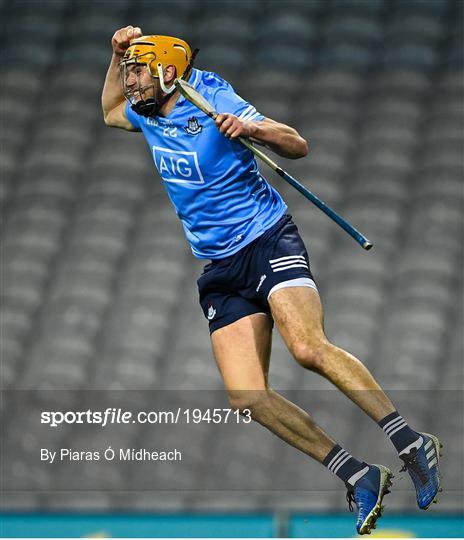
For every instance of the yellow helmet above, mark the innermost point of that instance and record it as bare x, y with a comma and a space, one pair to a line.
160, 50
156, 53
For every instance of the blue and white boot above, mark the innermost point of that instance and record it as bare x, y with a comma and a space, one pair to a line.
421, 460
367, 494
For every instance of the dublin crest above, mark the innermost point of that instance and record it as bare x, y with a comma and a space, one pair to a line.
193, 127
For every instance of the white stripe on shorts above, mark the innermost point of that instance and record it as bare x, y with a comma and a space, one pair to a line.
299, 265
272, 261
285, 263
297, 282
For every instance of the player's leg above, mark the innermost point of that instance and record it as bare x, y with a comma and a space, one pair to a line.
297, 312
242, 351
298, 315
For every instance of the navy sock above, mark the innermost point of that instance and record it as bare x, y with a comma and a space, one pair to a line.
401, 435
344, 465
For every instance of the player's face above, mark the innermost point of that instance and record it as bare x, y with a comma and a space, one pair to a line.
139, 83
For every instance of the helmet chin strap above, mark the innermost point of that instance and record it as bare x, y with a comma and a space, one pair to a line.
146, 107
151, 107
165, 89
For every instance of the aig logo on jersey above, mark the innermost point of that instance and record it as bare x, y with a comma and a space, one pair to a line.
193, 127
177, 166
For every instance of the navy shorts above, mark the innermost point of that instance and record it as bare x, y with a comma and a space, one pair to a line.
240, 285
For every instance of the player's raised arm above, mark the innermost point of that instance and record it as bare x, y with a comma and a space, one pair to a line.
113, 100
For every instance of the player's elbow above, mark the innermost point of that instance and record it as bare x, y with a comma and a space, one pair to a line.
304, 147
109, 119
116, 119
301, 148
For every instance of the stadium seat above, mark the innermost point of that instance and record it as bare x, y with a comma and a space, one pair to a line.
228, 7
412, 55
225, 29
337, 81
220, 59
285, 57
175, 23
345, 53
374, 8
307, 10
355, 30
289, 28
431, 8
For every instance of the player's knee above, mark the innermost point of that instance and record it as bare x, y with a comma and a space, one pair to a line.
247, 400
311, 355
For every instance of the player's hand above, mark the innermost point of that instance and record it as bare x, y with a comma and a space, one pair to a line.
233, 127
122, 38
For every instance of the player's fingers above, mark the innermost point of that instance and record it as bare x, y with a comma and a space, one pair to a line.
133, 32
238, 132
117, 36
124, 32
129, 35
120, 36
220, 119
124, 35
233, 127
226, 125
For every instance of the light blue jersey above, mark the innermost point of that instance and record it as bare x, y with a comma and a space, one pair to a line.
214, 183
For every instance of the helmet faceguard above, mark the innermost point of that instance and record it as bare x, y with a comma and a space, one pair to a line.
136, 94
156, 53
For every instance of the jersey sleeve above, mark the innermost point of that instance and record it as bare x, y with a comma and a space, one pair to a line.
133, 117
225, 100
